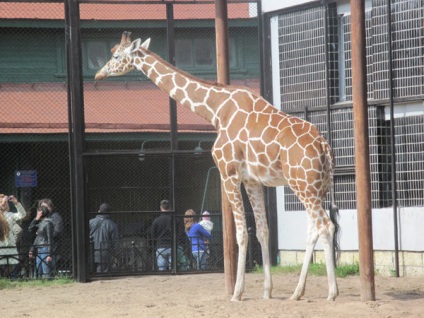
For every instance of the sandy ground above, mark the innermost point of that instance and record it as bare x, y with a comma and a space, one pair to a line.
204, 296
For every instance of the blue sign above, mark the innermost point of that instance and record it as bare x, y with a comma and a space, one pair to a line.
26, 178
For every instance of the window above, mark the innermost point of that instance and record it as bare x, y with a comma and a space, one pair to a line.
96, 55
183, 52
201, 53
204, 52
195, 52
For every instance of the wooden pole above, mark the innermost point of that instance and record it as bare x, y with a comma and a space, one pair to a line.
229, 237
362, 162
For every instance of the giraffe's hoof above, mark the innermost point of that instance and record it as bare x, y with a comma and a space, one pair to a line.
332, 296
295, 296
236, 299
333, 293
267, 295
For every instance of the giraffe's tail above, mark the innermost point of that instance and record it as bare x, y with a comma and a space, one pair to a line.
334, 210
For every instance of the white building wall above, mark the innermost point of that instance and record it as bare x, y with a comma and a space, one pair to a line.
272, 5
292, 226
292, 229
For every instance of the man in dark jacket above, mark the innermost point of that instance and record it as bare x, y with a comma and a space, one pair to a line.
162, 236
104, 233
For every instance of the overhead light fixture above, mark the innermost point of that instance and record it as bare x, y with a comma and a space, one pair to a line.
143, 151
198, 149
141, 154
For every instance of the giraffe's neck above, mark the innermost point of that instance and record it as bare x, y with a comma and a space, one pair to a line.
200, 96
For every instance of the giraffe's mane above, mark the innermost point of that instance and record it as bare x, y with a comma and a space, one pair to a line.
194, 78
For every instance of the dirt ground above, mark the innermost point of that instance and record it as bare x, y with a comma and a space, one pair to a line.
204, 296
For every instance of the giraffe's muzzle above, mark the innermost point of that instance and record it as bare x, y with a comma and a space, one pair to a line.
100, 75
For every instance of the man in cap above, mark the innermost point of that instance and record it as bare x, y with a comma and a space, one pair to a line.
104, 235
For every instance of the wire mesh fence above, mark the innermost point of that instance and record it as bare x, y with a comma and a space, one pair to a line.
132, 160
304, 35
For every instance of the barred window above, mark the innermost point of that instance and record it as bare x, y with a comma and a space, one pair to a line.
407, 47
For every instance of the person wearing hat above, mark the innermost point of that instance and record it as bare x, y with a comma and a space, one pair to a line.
206, 221
104, 235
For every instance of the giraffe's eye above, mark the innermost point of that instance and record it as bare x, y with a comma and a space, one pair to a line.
115, 57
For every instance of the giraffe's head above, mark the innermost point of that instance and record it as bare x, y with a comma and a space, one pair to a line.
122, 60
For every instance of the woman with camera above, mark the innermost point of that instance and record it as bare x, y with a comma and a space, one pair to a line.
8, 251
44, 228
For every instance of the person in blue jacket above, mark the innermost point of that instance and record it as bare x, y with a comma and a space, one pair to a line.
198, 237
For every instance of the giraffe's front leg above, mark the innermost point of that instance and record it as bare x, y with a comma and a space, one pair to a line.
242, 240
232, 190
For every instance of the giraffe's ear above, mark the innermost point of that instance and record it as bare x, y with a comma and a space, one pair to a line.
135, 45
146, 44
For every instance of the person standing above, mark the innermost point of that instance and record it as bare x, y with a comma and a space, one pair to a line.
198, 237
58, 227
43, 226
206, 222
104, 234
8, 251
162, 236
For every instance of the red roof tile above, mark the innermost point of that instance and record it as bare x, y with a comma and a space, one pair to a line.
109, 107
55, 11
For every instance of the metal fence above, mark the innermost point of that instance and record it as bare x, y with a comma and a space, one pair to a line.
138, 147
316, 84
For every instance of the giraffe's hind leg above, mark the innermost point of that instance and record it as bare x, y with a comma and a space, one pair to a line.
320, 226
256, 197
311, 240
326, 233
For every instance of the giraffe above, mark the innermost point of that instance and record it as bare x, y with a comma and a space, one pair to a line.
256, 145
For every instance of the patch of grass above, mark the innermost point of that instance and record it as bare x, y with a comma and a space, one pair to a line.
9, 284
347, 270
314, 269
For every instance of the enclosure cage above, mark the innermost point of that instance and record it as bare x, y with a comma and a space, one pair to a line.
136, 146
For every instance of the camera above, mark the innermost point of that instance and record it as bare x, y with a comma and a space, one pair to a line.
9, 198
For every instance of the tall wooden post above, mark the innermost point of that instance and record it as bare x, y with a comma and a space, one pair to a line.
362, 162
230, 248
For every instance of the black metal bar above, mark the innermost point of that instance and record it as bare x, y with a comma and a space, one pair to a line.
327, 77
261, 48
266, 57
333, 212
149, 152
266, 91
392, 137
70, 139
77, 114
170, 37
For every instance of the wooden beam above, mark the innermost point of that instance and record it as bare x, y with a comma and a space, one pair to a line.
362, 159
230, 248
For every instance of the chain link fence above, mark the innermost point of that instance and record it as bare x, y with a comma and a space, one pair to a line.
129, 161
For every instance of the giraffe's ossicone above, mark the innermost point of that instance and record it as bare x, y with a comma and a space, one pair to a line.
257, 145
